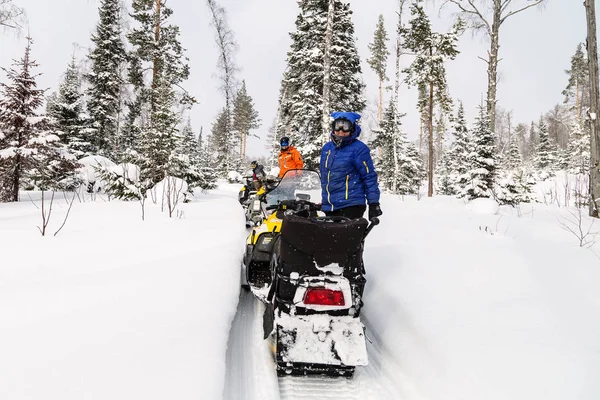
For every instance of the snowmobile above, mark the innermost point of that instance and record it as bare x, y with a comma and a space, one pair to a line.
308, 269
252, 199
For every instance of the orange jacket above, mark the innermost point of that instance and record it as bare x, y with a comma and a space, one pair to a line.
289, 159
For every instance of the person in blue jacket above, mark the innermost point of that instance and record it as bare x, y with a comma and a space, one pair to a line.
348, 177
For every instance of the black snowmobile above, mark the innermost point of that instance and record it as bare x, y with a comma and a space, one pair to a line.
308, 269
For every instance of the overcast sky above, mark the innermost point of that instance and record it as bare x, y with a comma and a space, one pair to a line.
536, 47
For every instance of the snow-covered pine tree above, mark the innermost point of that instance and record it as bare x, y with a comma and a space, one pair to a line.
208, 174
513, 159
483, 160
245, 117
378, 59
221, 143
407, 174
532, 143
29, 149
68, 114
546, 157
301, 98
579, 148
427, 72
106, 84
459, 157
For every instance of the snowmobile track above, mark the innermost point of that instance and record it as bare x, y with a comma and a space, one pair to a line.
251, 371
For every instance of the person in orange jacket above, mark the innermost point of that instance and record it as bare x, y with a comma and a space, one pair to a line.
289, 158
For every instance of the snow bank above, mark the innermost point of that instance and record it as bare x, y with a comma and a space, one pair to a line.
117, 308
483, 206
466, 313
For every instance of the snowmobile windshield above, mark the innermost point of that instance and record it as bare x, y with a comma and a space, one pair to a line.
297, 184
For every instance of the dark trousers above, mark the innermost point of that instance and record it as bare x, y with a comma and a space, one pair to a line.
352, 212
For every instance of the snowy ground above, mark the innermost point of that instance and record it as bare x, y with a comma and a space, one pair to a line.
460, 304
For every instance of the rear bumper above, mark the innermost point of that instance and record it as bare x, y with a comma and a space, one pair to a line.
321, 339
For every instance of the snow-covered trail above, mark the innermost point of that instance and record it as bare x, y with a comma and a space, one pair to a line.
251, 373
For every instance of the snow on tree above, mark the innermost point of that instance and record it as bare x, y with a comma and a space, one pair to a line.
378, 59
106, 83
513, 159
29, 148
458, 159
222, 141
407, 173
578, 152
67, 111
301, 99
427, 72
245, 116
483, 162
546, 157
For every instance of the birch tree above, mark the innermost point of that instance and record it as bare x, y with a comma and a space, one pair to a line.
592, 50
487, 16
327, 70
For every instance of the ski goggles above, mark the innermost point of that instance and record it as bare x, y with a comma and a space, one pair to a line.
342, 125
285, 144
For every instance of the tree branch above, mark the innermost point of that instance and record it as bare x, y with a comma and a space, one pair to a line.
537, 2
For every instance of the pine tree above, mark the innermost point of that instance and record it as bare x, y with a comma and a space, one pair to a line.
105, 78
209, 175
546, 151
301, 98
513, 159
579, 148
221, 143
378, 60
578, 87
427, 72
483, 162
67, 111
245, 116
460, 154
407, 173
156, 48
29, 148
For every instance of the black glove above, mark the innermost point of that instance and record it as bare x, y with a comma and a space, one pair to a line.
374, 210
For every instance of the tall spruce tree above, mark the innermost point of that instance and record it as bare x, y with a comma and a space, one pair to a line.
29, 148
301, 99
67, 111
427, 72
245, 116
378, 59
458, 158
483, 160
546, 157
106, 84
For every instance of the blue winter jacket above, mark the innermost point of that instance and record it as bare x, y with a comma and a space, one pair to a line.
347, 173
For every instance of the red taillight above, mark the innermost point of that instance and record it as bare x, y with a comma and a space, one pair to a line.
324, 297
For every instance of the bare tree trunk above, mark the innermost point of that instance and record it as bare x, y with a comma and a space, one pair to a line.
577, 101
16, 178
592, 49
493, 64
421, 135
156, 62
380, 99
397, 94
327, 71
430, 123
